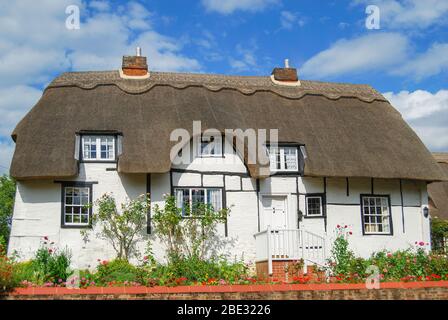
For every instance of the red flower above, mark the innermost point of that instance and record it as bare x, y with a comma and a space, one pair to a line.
345, 227
350, 233
421, 243
46, 238
50, 250
338, 226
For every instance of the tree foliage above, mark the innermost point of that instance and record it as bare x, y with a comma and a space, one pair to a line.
192, 235
121, 228
7, 193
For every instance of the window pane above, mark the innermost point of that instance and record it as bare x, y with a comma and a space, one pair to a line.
314, 205
76, 202
214, 198
376, 214
290, 158
283, 158
210, 146
197, 196
107, 148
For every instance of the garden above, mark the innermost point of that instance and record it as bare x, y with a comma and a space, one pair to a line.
189, 240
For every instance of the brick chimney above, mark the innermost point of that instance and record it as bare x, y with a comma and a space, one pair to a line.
135, 66
285, 74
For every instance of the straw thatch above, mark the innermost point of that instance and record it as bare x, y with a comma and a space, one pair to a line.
348, 130
438, 191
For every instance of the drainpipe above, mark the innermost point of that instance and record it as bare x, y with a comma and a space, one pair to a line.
269, 250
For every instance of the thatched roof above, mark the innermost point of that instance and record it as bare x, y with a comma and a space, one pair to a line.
348, 130
438, 191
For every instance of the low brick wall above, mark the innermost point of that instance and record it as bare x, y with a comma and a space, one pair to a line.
437, 290
285, 270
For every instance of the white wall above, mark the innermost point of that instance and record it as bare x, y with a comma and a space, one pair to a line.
37, 211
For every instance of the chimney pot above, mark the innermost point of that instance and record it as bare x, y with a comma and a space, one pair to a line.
286, 74
135, 65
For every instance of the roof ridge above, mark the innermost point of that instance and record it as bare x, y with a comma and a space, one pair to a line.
247, 85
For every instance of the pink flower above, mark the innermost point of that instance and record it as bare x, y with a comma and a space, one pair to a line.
50, 250
389, 255
46, 238
421, 243
350, 233
145, 258
338, 226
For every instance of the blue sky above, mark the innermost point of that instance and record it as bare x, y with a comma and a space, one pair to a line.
406, 59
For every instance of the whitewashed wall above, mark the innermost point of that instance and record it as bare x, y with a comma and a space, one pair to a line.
37, 211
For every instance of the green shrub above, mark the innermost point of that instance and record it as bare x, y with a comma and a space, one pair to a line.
116, 271
193, 270
24, 271
48, 266
414, 264
51, 264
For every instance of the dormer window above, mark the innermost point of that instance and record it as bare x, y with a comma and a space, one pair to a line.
284, 158
98, 148
210, 146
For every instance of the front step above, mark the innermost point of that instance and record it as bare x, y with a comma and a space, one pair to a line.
288, 270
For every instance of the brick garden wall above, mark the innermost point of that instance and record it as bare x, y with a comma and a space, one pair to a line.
388, 291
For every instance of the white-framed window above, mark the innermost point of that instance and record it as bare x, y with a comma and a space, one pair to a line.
76, 207
98, 148
188, 197
210, 146
376, 216
314, 205
284, 158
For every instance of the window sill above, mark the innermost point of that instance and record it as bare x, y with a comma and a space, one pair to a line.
378, 234
313, 217
78, 226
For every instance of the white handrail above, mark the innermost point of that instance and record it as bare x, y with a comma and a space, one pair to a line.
290, 244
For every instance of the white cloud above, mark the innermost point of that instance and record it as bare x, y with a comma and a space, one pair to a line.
99, 5
246, 57
229, 6
6, 151
35, 45
290, 19
430, 63
368, 53
410, 13
14, 103
427, 113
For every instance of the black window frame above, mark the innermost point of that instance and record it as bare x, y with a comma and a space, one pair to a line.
323, 204
391, 229
76, 184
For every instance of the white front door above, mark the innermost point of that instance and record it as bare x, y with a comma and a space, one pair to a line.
274, 212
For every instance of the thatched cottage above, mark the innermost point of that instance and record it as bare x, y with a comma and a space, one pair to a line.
344, 156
